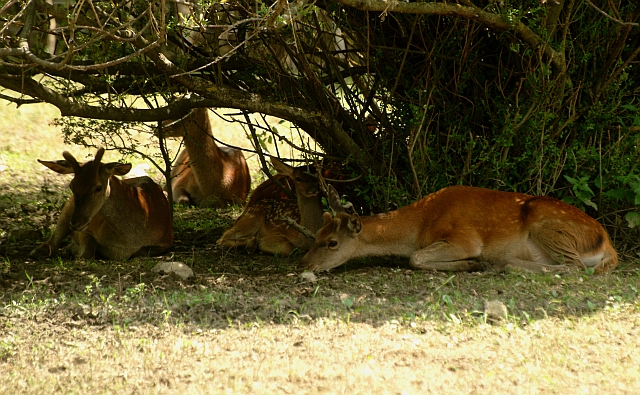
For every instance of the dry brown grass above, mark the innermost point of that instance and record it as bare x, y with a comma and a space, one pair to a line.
246, 323
598, 354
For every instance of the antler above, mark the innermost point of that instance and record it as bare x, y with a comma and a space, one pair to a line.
71, 160
333, 198
335, 203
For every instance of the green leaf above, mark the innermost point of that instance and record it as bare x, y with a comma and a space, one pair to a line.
633, 219
598, 182
589, 203
621, 194
348, 301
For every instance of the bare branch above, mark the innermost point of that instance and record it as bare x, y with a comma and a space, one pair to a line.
618, 21
303, 231
494, 21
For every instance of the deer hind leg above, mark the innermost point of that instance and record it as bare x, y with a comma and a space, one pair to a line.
248, 242
60, 232
552, 249
181, 197
242, 234
276, 244
445, 256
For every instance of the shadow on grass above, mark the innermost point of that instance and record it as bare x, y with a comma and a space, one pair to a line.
236, 288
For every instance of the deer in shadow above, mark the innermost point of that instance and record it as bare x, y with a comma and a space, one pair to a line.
206, 175
462, 228
107, 217
268, 220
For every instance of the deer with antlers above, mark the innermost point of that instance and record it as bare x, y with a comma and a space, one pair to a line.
263, 223
206, 175
463, 228
108, 217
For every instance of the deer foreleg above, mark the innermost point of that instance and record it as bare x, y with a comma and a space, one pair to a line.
61, 231
84, 246
445, 256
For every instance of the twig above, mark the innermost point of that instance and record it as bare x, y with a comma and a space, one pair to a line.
19, 101
618, 21
263, 162
304, 231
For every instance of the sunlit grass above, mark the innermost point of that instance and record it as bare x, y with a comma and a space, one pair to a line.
28, 134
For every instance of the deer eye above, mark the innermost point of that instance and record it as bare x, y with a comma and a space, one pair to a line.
332, 244
97, 189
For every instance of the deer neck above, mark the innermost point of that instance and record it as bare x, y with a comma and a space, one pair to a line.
392, 233
200, 145
310, 212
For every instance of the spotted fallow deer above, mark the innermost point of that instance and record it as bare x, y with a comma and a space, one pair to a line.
262, 223
469, 229
206, 175
107, 217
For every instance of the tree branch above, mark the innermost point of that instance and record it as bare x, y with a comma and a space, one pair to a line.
618, 21
494, 21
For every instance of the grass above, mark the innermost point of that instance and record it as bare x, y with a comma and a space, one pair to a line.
171, 351
248, 323
242, 333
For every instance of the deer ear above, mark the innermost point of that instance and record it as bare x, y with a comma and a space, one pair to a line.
281, 167
59, 166
354, 225
119, 169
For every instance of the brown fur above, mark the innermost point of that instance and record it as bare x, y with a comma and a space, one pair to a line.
261, 225
108, 217
206, 175
465, 228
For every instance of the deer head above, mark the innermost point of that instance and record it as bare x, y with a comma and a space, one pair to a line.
90, 185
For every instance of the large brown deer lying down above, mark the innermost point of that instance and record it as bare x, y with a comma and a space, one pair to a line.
467, 229
261, 224
206, 175
107, 217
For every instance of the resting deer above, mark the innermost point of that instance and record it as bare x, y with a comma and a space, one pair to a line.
108, 217
467, 229
206, 175
262, 225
